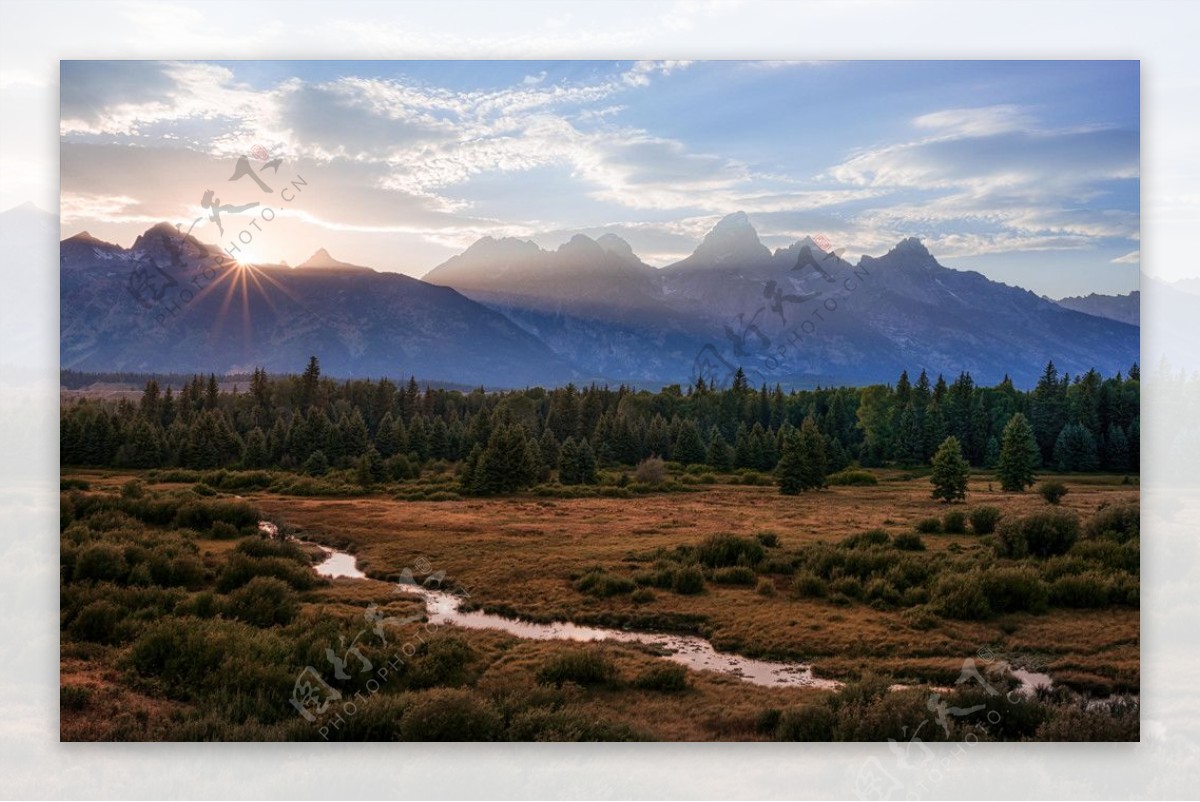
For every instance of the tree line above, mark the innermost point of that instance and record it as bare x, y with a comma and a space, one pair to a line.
506, 440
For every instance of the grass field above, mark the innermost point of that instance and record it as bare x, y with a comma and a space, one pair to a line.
617, 562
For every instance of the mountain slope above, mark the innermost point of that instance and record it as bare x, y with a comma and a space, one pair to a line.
1124, 308
357, 321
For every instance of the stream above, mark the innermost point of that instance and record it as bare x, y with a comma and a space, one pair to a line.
688, 650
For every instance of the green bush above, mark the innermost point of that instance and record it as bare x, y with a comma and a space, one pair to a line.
240, 569
847, 586
929, 526
954, 523
805, 723
1040, 534
664, 678
598, 582
442, 661
908, 541
1087, 590
1120, 522
808, 585
721, 550
734, 575
264, 601
960, 596
450, 714
1052, 490
100, 562
765, 587
880, 590
873, 537
984, 519
581, 666
642, 596
1015, 590
852, 478
768, 539
97, 622
688, 581
1109, 554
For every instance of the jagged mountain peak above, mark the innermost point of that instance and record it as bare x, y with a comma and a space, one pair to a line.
617, 246
322, 259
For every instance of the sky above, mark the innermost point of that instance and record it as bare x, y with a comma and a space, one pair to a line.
1025, 171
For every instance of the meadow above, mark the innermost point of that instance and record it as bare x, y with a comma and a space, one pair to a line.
181, 622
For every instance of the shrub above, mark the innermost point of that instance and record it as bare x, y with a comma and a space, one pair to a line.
1088, 589
442, 661
929, 526
880, 590
852, 478
240, 569
664, 678
100, 562
580, 666
1109, 554
220, 530
97, 622
1052, 490
908, 541
724, 549
808, 585
847, 586
651, 471
1120, 522
199, 515
734, 575
769, 540
598, 582
873, 537
1014, 590
642, 596
954, 523
450, 714
74, 697
805, 723
983, 520
765, 587
1040, 534
960, 596
688, 581
264, 601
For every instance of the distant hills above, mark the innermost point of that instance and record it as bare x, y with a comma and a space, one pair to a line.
1125, 308
506, 312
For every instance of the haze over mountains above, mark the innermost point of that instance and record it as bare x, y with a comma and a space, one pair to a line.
506, 312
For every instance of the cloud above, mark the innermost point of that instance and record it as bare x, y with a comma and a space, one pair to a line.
1131, 258
981, 121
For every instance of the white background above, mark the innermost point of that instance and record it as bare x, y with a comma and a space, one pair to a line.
33, 37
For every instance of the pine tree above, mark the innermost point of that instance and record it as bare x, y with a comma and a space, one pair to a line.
387, 438
1075, 449
950, 472
718, 454
568, 462
309, 383
689, 447
1116, 449
816, 462
790, 470
1018, 455
255, 454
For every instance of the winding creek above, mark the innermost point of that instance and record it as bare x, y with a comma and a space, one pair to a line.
688, 650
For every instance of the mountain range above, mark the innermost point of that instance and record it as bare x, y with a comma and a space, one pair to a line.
507, 312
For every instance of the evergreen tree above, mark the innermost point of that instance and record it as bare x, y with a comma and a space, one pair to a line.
816, 462
1075, 449
991, 456
254, 453
950, 472
1018, 455
317, 464
568, 462
790, 470
387, 438
689, 447
718, 455
1116, 449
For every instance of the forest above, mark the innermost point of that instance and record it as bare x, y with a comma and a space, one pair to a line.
508, 440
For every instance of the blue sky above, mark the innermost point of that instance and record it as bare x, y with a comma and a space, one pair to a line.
1025, 171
